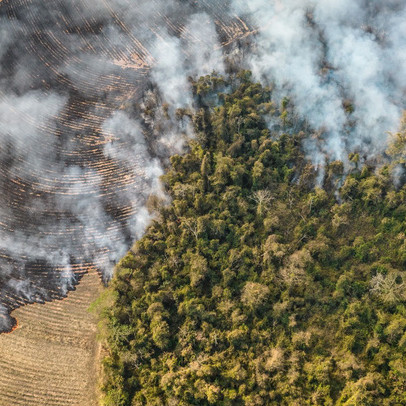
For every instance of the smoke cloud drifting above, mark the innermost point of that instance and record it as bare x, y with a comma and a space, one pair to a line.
80, 151
323, 53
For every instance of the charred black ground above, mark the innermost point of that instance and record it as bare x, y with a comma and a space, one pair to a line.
66, 205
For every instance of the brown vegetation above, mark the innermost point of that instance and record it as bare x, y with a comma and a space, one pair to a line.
51, 357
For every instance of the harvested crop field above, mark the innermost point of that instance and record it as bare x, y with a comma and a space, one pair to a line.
52, 357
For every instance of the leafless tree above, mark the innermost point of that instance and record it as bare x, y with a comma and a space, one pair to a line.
263, 199
390, 288
191, 225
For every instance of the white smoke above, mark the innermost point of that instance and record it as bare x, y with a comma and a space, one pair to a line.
88, 80
320, 53
202, 46
26, 122
168, 72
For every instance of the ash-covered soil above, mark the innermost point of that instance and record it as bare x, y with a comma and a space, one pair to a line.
75, 171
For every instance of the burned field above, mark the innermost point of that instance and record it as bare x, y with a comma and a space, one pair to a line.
74, 173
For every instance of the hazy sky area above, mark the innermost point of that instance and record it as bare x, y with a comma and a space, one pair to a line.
79, 157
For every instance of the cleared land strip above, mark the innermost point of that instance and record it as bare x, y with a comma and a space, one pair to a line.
52, 357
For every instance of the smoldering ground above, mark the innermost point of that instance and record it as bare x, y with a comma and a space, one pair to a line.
77, 167
79, 156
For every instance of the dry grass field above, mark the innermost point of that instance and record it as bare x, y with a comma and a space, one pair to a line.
52, 357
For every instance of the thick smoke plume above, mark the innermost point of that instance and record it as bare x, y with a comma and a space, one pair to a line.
332, 57
84, 136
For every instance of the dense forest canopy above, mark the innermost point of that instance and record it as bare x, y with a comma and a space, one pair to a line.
260, 283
